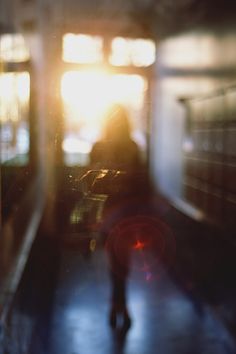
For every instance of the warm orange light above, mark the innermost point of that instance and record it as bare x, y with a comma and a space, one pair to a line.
88, 94
82, 48
127, 89
86, 97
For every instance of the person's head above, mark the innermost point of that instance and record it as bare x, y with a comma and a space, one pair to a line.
117, 125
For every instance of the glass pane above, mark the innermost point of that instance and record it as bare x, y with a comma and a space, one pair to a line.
82, 48
14, 124
137, 52
13, 48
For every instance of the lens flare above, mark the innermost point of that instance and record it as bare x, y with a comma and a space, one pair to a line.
139, 245
146, 241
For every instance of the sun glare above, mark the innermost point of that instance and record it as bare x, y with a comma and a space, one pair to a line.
84, 95
87, 94
82, 48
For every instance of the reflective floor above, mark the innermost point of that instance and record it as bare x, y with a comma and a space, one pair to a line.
165, 319
63, 302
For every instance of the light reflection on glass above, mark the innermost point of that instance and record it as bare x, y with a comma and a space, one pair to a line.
137, 52
82, 48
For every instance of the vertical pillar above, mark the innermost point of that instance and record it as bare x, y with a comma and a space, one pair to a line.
53, 119
1, 71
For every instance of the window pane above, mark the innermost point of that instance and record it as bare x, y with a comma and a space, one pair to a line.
13, 48
82, 48
14, 125
137, 52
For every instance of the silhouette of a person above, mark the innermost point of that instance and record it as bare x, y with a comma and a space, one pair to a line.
117, 151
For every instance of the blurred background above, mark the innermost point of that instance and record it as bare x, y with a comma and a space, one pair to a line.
172, 64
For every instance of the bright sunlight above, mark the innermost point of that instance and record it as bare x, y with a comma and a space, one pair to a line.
82, 48
87, 95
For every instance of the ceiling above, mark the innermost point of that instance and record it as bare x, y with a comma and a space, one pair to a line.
155, 18
159, 18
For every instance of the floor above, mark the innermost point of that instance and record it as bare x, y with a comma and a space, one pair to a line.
165, 319
62, 305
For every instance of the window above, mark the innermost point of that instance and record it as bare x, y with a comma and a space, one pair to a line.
137, 52
88, 92
86, 95
14, 125
82, 48
13, 48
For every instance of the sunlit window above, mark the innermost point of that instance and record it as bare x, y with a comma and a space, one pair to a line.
127, 89
82, 48
86, 96
13, 48
14, 110
137, 52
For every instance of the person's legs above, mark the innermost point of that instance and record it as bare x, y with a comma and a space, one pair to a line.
118, 301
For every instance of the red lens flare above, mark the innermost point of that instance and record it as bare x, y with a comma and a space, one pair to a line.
143, 241
139, 245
